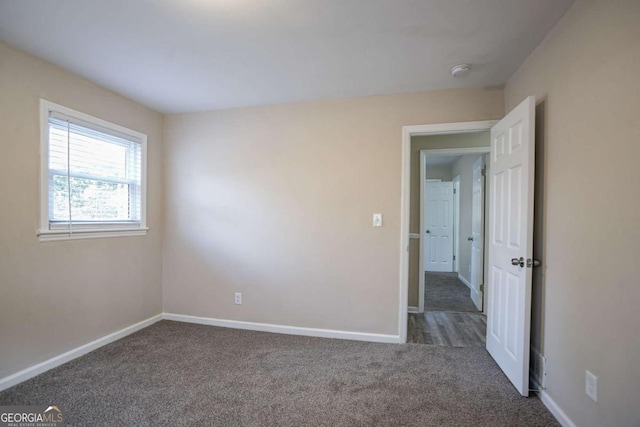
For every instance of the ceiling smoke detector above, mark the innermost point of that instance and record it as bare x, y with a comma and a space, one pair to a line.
460, 70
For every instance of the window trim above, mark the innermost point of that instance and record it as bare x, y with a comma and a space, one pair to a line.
86, 231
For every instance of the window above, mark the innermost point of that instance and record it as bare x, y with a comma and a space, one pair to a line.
92, 176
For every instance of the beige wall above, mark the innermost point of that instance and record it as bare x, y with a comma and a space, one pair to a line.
431, 142
464, 168
276, 202
56, 296
584, 75
442, 172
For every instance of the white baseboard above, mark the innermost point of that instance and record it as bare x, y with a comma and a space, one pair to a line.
282, 329
476, 297
555, 410
56, 361
465, 281
412, 309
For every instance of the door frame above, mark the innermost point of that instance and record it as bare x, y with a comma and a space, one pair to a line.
456, 223
484, 231
405, 202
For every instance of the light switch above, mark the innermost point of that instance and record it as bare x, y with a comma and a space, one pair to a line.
377, 220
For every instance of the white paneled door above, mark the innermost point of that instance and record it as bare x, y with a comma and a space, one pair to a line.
438, 219
511, 173
477, 232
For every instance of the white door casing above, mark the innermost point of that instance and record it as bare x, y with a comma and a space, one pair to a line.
456, 223
511, 177
477, 235
438, 220
405, 201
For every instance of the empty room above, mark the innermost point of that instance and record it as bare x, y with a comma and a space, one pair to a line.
319, 213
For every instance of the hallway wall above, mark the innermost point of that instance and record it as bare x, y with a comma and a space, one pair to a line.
464, 168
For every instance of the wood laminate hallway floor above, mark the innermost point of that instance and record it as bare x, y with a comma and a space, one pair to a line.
444, 328
451, 318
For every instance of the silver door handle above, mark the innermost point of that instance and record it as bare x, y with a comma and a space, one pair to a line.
428, 231
470, 239
517, 261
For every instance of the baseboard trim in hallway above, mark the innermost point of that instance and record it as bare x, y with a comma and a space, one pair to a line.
465, 281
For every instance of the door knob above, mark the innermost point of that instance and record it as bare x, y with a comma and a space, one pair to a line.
470, 239
428, 231
517, 261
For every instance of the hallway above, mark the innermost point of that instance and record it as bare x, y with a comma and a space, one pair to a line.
445, 292
451, 318
446, 328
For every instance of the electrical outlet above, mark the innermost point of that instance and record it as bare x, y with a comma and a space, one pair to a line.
238, 298
591, 386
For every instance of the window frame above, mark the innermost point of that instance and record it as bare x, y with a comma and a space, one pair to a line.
52, 230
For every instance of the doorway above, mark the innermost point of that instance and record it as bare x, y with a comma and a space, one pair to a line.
411, 294
509, 243
452, 243
430, 247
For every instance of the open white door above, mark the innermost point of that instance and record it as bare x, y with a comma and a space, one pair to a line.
438, 220
477, 232
511, 173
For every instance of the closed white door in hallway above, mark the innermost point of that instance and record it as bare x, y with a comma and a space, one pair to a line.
438, 218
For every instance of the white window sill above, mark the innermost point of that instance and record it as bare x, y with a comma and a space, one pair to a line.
53, 235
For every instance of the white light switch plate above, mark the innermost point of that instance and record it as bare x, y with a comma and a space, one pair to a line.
377, 220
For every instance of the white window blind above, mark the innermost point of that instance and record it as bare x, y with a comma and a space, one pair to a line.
94, 175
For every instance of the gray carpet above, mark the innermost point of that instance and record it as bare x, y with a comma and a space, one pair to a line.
178, 374
445, 292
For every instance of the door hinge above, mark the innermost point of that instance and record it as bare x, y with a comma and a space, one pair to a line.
454, 191
454, 257
482, 287
484, 171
